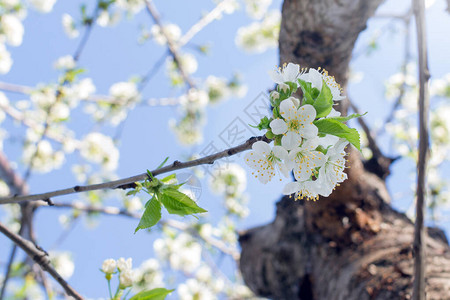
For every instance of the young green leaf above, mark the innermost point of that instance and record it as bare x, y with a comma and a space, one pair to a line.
178, 203
151, 216
345, 119
162, 164
324, 102
334, 127
155, 294
306, 89
169, 178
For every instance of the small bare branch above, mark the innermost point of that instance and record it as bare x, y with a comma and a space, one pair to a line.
424, 75
111, 210
128, 182
170, 44
41, 258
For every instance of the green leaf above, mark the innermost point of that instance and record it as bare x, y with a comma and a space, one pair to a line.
169, 178
306, 89
155, 294
162, 164
151, 216
324, 102
345, 119
334, 127
263, 124
178, 203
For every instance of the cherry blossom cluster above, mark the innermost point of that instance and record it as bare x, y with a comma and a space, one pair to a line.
309, 135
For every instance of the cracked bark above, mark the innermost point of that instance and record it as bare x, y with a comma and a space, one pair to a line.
351, 245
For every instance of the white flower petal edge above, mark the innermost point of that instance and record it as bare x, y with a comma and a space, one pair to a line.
285, 74
332, 172
306, 189
316, 78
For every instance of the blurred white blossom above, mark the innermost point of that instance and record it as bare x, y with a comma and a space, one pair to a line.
182, 252
11, 29
69, 26
260, 36
257, 8
124, 264
5, 59
109, 266
170, 30
64, 62
44, 6
63, 263
100, 149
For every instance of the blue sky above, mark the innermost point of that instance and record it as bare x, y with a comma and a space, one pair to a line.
113, 55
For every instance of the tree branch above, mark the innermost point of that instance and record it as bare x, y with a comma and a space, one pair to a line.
40, 257
170, 44
419, 231
128, 182
203, 22
115, 211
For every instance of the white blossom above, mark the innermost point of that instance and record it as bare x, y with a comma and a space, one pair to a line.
64, 62
11, 27
297, 123
126, 278
288, 73
124, 91
317, 78
5, 60
170, 30
99, 148
69, 26
124, 264
193, 290
256, 9
266, 161
260, 36
131, 6
109, 266
305, 159
231, 180
106, 18
63, 263
43, 158
44, 6
332, 171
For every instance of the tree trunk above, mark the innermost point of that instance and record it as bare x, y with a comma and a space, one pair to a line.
351, 245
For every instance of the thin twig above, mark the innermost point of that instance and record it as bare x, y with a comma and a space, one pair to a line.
406, 58
215, 13
128, 182
419, 231
17, 187
115, 211
40, 257
170, 44
371, 140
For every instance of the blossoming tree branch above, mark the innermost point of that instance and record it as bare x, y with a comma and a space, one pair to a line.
309, 140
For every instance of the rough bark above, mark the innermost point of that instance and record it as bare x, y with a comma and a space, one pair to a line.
351, 245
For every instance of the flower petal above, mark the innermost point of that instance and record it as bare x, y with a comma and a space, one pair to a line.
280, 152
309, 131
316, 78
261, 148
291, 72
307, 114
288, 109
291, 188
295, 101
278, 126
291, 140
276, 76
